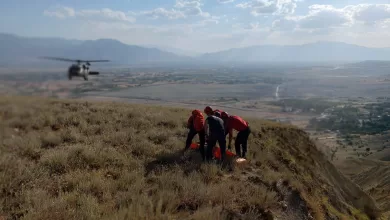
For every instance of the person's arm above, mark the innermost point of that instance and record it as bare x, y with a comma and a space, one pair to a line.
190, 122
230, 138
206, 129
189, 126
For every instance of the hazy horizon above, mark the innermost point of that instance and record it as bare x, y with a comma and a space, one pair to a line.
185, 51
203, 26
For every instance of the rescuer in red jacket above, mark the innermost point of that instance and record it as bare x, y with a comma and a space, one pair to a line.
217, 113
233, 122
195, 124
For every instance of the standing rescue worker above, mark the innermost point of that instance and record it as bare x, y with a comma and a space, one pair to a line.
233, 122
196, 125
215, 132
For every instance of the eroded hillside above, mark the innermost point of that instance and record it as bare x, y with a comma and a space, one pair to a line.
373, 176
90, 160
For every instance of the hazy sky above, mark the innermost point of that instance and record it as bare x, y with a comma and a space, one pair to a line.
202, 25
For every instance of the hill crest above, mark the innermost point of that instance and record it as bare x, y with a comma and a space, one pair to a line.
75, 159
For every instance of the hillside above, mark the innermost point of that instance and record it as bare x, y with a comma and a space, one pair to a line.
314, 52
20, 51
66, 159
373, 177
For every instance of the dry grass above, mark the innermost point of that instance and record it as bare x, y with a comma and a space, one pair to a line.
83, 160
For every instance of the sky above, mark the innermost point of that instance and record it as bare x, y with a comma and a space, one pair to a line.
202, 25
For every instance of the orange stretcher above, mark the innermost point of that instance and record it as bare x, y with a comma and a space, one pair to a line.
216, 151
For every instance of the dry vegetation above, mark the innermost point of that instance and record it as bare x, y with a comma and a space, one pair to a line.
90, 160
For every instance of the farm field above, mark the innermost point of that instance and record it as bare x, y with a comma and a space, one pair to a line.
194, 92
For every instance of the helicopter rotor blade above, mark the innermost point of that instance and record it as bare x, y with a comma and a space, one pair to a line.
59, 59
88, 62
94, 61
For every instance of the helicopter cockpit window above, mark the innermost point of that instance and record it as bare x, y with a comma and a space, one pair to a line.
75, 68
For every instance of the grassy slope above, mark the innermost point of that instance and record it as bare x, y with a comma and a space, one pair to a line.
68, 159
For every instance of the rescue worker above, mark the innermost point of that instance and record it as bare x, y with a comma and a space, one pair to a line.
215, 132
195, 124
233, 122
217, 113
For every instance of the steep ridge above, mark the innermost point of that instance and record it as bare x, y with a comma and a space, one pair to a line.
66, 159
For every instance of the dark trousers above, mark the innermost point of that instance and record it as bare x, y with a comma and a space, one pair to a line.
191, 135
212, 141
242, 140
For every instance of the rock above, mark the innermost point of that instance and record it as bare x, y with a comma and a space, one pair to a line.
279, 183
284, 205
55, 127
241, 162
269, 215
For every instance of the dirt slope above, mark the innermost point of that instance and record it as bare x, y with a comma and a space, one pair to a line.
372, 176
89, 160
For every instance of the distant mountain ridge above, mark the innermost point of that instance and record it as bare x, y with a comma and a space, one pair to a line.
180, 52
15, 50
24, 51
320, 51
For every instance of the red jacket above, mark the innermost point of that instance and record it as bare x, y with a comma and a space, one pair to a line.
196, 120
236, 123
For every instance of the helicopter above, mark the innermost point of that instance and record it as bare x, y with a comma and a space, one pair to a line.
80, 68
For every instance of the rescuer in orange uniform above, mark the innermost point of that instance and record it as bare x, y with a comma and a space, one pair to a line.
195, 124
233, 122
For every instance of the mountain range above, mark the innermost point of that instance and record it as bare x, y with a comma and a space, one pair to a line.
314, 52
17, 50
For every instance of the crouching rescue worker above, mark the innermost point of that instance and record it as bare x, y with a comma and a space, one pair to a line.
215, 132
217, 113
195, 124
233, 122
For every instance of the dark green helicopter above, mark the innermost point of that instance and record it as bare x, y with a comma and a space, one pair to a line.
80, 68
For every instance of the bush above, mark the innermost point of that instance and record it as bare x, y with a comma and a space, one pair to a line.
50, 140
